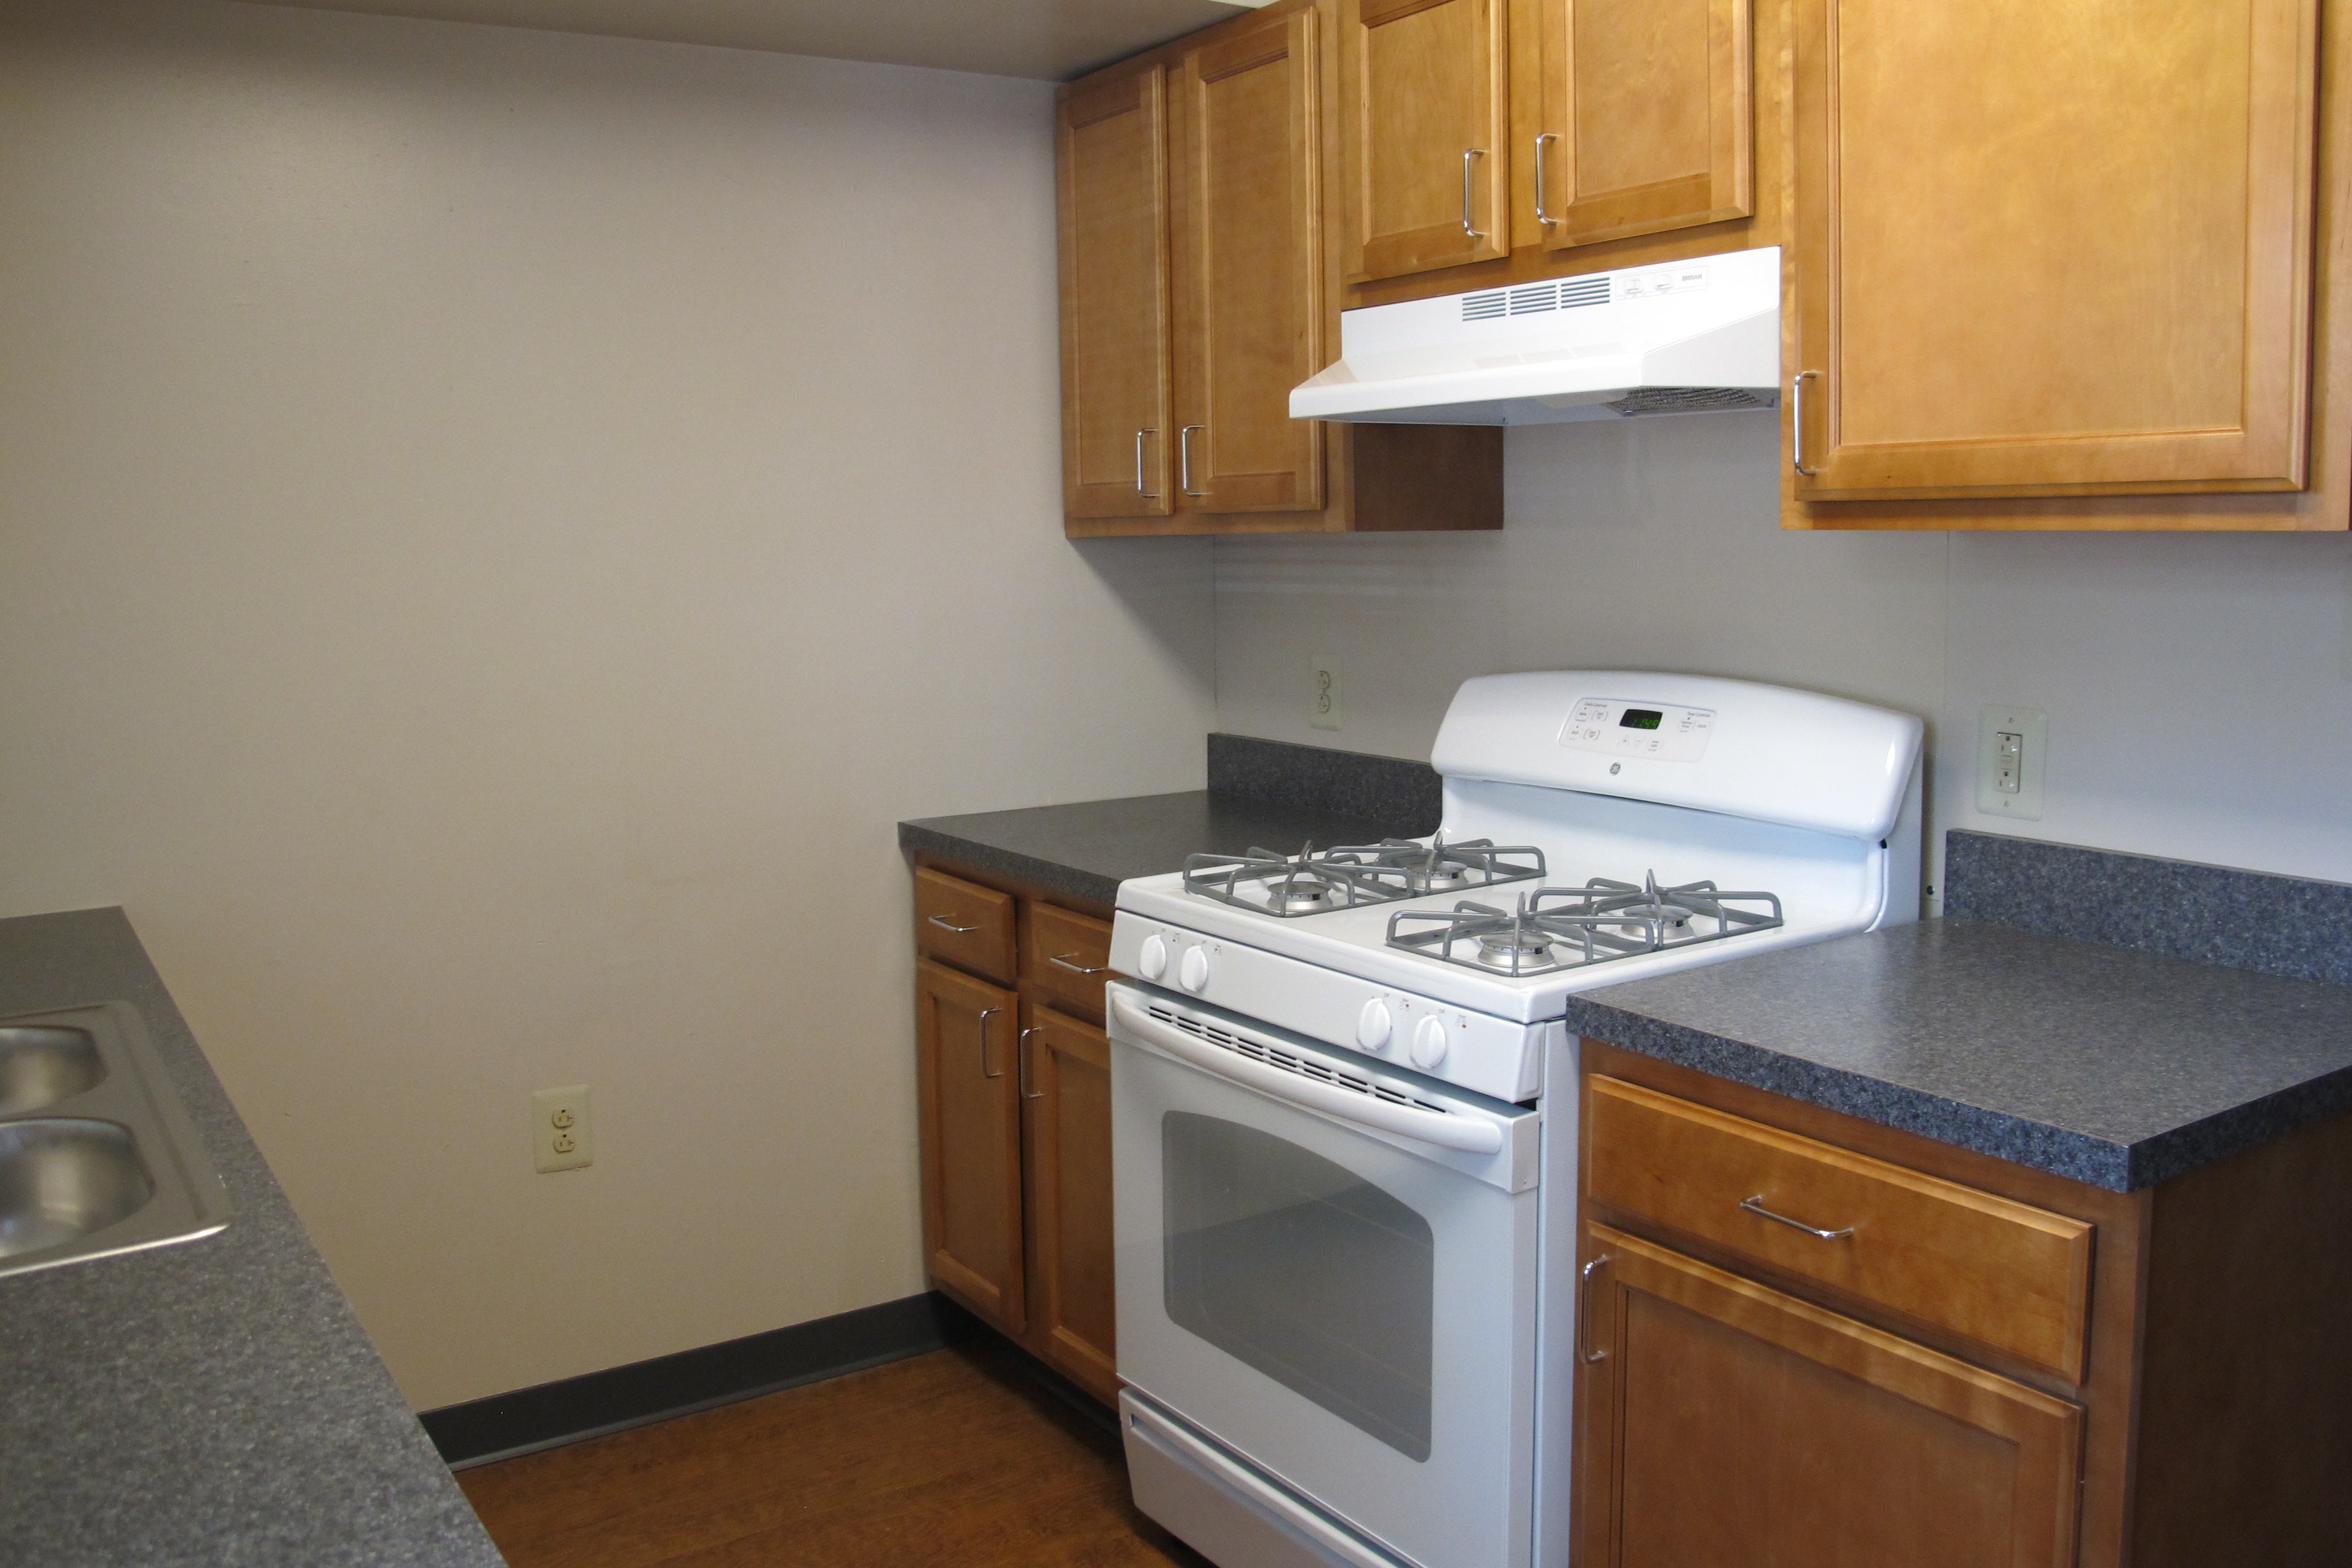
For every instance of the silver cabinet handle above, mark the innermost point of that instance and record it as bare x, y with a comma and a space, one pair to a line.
1139, 434
985, 1013
1755, 1206
1184, 458
1021, 1060
1540, 217
1797, 423
1468, 156
1584, 1308
945, 924
1063, 959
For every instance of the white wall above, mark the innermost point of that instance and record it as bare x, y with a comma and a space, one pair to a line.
495, 529
2198, 687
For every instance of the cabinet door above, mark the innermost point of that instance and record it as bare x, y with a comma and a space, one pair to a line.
1067, 1098
1722, 1424
2053, 249
1423, 122
971, 1111
1647, 123
1249, 269
1111, 166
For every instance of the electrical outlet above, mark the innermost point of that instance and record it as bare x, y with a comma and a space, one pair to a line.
559, 1129
2011, 747
1323, 707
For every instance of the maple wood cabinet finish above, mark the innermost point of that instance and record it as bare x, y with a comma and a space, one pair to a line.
2001, 1273
1247, 290
965, 925
1016, 1139
1110, 160
971, 1119
1647, 119
2081, 264
1425, 106
1875, 1451
1067, 1106
1069, 954
1750, 1408
1249, 269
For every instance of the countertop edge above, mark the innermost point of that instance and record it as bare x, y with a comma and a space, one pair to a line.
916, 838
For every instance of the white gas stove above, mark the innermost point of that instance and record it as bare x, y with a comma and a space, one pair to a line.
1345, 1225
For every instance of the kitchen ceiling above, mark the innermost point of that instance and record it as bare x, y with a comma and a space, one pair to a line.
1050, 40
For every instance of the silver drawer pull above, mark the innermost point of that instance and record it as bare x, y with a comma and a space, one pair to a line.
1468, 159
1063, 960
985, 1015
1755, 1206
945, 924
1584, 1307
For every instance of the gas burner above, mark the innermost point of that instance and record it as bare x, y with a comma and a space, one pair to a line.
1352, 875
1568, 927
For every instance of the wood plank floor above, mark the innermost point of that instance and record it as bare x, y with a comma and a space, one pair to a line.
955, 1458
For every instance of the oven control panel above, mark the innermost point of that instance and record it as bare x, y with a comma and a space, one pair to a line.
1622, 727
1492, 1055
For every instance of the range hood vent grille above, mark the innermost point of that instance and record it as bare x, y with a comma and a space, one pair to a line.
1689, 400
1530, 299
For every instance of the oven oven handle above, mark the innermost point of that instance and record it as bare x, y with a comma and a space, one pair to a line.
1443, 1129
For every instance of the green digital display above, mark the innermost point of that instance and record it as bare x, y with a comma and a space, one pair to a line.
1641, 719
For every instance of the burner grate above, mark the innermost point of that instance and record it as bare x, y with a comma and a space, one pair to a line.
1352, 876
1555, 929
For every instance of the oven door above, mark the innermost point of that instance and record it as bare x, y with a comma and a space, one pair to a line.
1327, 1273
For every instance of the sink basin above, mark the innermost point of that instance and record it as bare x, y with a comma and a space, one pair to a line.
97, 1154
61, 1178
40, 1064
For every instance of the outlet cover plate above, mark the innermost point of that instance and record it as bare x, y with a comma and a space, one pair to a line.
1994, 721
560, 1129
1323, 693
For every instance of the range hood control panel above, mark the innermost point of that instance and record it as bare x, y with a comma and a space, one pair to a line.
1621, 726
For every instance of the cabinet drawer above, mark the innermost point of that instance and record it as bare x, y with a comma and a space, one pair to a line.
964, 924
2005, 1274
1070, 955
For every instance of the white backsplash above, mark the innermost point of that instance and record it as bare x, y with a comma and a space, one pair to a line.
2198, 686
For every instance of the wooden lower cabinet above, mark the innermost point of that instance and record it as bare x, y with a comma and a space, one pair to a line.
1757, 1392
1725, 1424
1067, 1117
1015, 1126
971, 1141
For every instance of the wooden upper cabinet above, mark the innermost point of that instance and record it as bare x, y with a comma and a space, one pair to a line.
2052, 251
1118, 442
1647, 120
1723, 1424
1424, 129
1249, 269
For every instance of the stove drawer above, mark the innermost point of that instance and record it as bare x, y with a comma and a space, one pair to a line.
964, 924
1070, 955
2004, 1275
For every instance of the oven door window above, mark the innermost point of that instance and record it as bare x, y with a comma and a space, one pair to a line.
1301, 1268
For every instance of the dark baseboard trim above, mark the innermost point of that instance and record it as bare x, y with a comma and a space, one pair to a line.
507, 1426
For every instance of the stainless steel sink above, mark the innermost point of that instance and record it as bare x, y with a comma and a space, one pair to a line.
40, 1066
97, 1154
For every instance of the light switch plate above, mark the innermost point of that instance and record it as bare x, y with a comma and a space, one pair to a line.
2011, 740
1323, 697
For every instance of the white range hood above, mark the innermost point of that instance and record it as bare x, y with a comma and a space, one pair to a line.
1680, 336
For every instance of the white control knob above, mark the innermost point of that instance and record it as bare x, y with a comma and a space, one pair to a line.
1373, 1025
1429, 1044
1151, 959
1192, 972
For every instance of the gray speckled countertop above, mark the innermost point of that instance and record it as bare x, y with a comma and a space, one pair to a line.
1084, 851
210, 1403
2114, 1066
